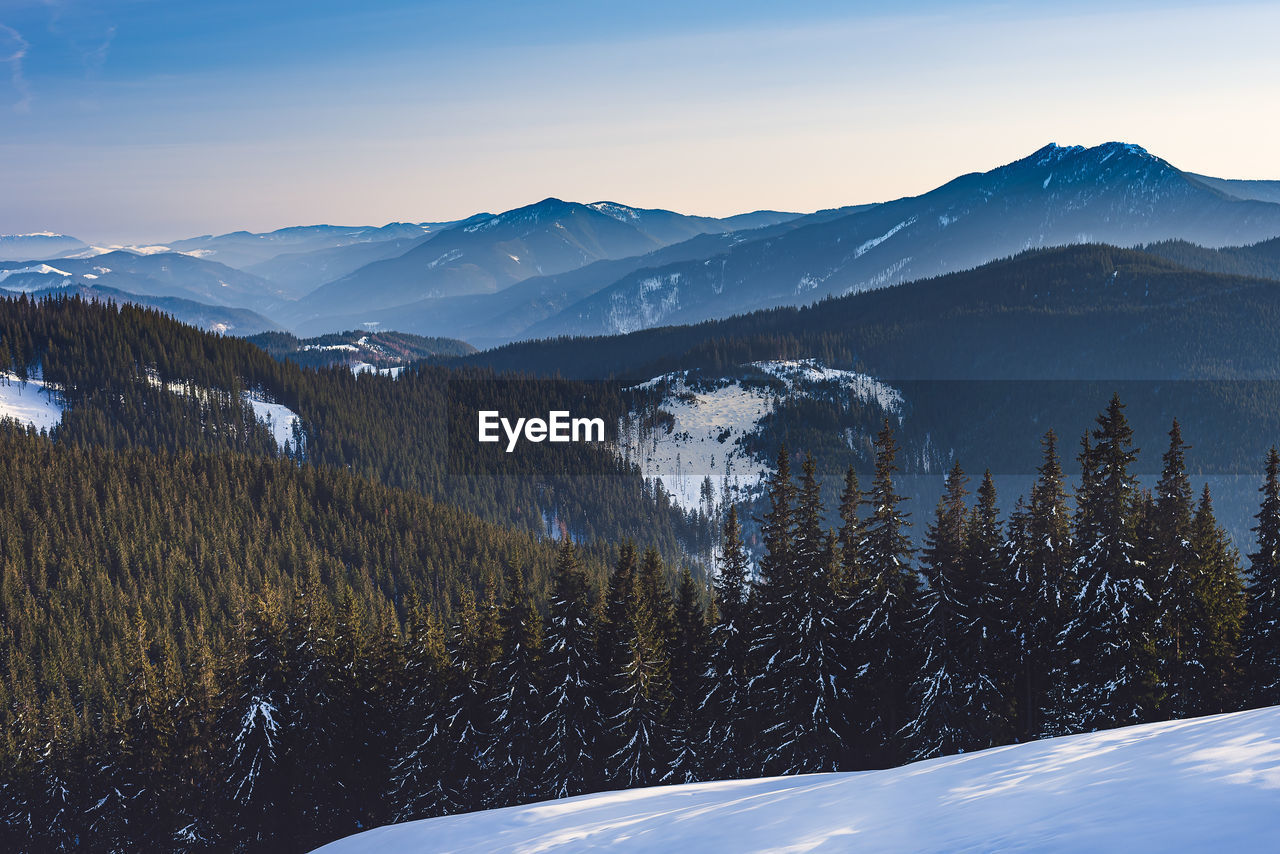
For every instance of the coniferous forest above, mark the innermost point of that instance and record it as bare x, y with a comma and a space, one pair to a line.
232, 652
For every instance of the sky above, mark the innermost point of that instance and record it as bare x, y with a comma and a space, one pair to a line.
142, 121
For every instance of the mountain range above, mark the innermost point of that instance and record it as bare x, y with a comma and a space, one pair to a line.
562, 268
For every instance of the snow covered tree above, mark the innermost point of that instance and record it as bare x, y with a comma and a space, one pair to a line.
471, 650
1261, 642
643, 690
254, 719
614, 632
880, 615
940, 693
798, 684
812, 684
771, 643
1108, 648
1173, 569
688, 659
419, 785
572, 727
988, 588
516, 696
724, 707
313, 702
1040, 556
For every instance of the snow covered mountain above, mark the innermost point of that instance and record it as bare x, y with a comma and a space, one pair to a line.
1113, 193
42, 245
1206, 784
489, 253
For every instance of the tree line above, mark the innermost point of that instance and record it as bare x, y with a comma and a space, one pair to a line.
843, 649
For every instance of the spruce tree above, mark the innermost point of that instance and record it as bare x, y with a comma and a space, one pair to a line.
1108, 647
988, 589
941, 724
1261, 642
516, 699
470, 649
881, 615
814, 684
688, 688
255, 720
1173, 568
1044, 573
643, 693
772, 603
419, 786
572, 727
1211, 642
850, 535
312, 698
725, 707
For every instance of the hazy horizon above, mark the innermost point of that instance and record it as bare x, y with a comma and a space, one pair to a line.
132, 121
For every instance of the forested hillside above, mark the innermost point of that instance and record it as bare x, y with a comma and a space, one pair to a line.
135, 378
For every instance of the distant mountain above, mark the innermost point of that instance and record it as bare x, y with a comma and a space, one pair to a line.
42, 245
494, 318
1114, 193
211, 318
491, 253
171, 274
244, 248
1263, 191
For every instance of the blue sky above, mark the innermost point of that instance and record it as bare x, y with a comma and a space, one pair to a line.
146, 120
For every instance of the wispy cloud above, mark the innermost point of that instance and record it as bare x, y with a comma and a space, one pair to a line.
13, 49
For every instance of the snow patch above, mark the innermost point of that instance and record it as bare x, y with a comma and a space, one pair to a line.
279, 419
876, 241
32, 404
1206, 784
37, 270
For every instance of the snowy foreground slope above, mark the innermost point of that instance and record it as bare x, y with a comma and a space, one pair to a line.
1208, 784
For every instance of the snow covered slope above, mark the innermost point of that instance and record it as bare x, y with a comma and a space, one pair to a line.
1207, 784
29, 403
711, 420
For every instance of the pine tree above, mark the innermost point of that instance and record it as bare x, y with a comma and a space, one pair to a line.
881, 615
1107, 645
688, 658
1261, 642
724, 707
1212, 639
1043, 567
572, 727
516, 704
